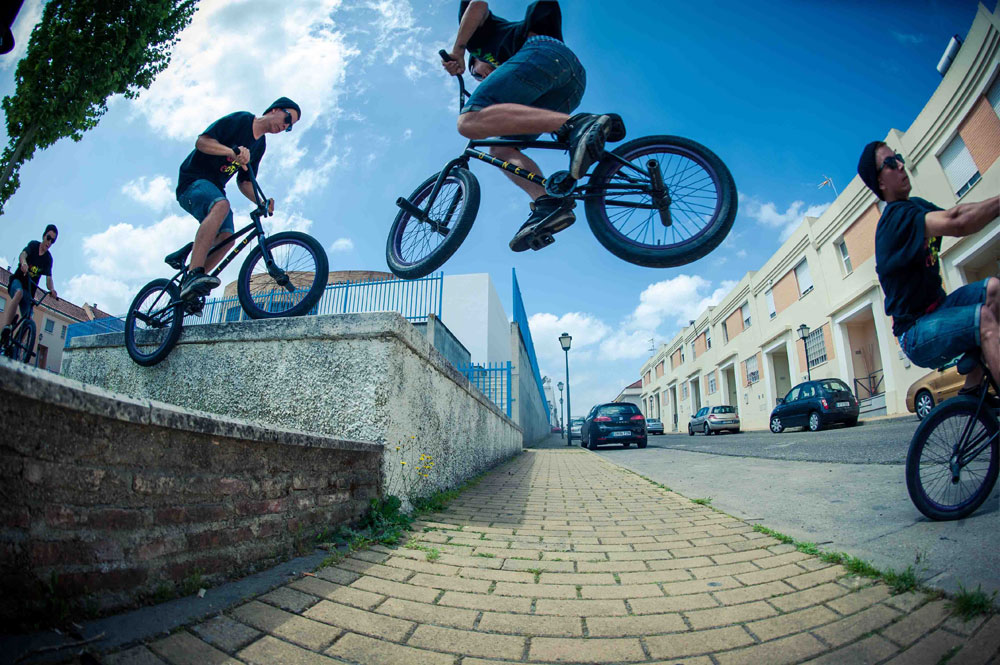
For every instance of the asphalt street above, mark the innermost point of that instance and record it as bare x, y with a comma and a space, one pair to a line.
843, 489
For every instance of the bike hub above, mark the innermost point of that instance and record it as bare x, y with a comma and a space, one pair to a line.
660, 193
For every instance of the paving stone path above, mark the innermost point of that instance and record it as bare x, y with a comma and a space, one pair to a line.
562, 557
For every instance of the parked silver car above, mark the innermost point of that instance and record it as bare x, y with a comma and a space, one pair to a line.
654, 426
714, 419
574, 428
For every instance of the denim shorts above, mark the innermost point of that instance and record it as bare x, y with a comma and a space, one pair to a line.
12, 288
199, 198
543, 74
949, 331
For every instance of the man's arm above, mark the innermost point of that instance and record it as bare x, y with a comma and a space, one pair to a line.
962, 220
23, 261
247, 188
210, 146
474, 16
52, 289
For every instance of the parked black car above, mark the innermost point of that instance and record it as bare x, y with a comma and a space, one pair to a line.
614, 422
815, 404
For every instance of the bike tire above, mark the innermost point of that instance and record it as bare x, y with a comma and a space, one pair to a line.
703, 208
302, 258
149, 342
424, 250
926, 473
24, 344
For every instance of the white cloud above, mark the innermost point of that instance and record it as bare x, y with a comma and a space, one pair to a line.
27, 18
407, 133
786, 222
157, 193
287, 222
904, 38
5, 263
342, 245
585, 329
676, 300
109, 294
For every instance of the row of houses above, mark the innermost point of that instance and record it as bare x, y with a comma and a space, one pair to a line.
815, 307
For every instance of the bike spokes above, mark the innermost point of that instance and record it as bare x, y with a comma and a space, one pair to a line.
291, 282
421, 238
949, 474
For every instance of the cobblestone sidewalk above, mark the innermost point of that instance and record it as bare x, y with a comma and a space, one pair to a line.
560, 556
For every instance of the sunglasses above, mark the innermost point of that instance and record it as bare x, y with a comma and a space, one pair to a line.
288, 121
476, 75
892, 162
50, 239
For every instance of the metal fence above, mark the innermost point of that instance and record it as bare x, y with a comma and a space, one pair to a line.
493, 380
415, 299
521, 318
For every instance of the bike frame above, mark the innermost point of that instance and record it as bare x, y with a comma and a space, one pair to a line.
20, 321
965, 450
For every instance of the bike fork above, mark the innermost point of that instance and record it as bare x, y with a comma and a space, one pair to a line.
660, 193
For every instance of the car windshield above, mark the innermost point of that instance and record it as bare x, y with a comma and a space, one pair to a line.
723, 409
834, 385
576, 421
618, 410
652, 420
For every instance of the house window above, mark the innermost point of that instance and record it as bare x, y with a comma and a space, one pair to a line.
753, 374
711, 384
694, 354
769, 296
708, 338
682, 354
725, 333
50, 325
993, 95
62, 335
803, 278
745, 312
816, 347
845, 257
684, 390
959, 167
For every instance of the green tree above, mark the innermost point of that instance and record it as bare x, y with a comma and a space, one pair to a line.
81, 53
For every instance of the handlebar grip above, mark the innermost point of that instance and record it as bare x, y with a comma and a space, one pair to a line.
445, 56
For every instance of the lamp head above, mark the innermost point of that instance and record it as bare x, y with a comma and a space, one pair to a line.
803, 331
565, 340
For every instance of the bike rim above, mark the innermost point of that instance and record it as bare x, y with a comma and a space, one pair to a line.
154, 314
695, 190
415, 240
935, 470
295, 259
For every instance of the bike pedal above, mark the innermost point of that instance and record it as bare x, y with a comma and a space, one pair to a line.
541, 241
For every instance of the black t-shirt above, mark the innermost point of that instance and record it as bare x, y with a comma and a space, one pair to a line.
235, 129
497, 40
37, 265
907, 262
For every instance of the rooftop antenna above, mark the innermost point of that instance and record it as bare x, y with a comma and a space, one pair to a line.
829, 181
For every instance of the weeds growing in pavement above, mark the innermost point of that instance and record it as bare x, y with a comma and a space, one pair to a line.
970, 604
703, 502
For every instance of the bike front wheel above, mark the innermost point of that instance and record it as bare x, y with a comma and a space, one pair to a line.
295, 283
153, 323
942, 486
625, 218
416, 247
24, 342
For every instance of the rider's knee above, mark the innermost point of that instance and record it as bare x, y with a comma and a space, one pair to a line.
221, 207
989, 326
992, 291
504, 152
16, 298
468, 125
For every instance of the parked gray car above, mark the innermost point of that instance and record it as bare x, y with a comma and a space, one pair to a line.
574, 428
714, 419
654, 426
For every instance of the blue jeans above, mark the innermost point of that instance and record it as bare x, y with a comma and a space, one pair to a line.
25, 305
947, 332
543, 74
198, 200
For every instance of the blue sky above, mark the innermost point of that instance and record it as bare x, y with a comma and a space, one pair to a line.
785, 92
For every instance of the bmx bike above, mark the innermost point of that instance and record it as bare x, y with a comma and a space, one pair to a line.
656, 201
284, 275
20, 346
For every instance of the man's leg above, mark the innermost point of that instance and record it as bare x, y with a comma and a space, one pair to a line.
518, 158
8, 313
216, 257
207, 233
989, 329
508, 120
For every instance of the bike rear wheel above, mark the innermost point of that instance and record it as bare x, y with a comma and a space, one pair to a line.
24, 342
416, 248
153, 323
929, 477
624, 218
296, 285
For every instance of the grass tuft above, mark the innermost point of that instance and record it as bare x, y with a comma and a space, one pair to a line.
970, 604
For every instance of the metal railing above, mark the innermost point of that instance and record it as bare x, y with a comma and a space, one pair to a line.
415, 299
871, 384
521, 319
493, 380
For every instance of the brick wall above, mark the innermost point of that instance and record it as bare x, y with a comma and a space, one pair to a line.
111, 498
981, 133
860, 237
734, 323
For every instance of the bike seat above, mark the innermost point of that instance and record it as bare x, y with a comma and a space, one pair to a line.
968, 362
177, 259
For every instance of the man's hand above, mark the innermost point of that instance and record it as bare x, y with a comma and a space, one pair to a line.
52, 292
244, 157
270, 207
455, 66
24, 267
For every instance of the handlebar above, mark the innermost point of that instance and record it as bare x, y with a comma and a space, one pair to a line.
462, 92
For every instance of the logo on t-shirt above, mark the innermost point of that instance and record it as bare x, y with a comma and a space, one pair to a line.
231, 167
933, 247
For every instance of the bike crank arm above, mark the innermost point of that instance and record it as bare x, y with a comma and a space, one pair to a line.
660, 194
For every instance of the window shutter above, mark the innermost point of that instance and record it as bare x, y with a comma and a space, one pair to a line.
803, 278
958, 165
993, 95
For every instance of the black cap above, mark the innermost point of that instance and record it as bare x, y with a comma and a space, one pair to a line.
867, 169
284, 103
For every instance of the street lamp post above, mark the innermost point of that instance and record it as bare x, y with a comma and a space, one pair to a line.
562, 419
565, 340
803, 333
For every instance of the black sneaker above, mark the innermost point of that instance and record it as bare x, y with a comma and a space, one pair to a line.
548, 215
586, 134
196, 283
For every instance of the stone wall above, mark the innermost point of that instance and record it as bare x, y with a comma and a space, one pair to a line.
528, 409
113, 498
369, 377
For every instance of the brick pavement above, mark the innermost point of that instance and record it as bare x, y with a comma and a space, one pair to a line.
562, 557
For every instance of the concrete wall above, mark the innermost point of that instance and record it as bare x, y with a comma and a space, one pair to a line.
113, 497
370, 377
528, 409
444, 341
471, 307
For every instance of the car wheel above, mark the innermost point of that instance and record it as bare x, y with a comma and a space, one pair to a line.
708, 430
815, 424
690, 431
590, 445
923, 403
642, 444
853, 422
776, 425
